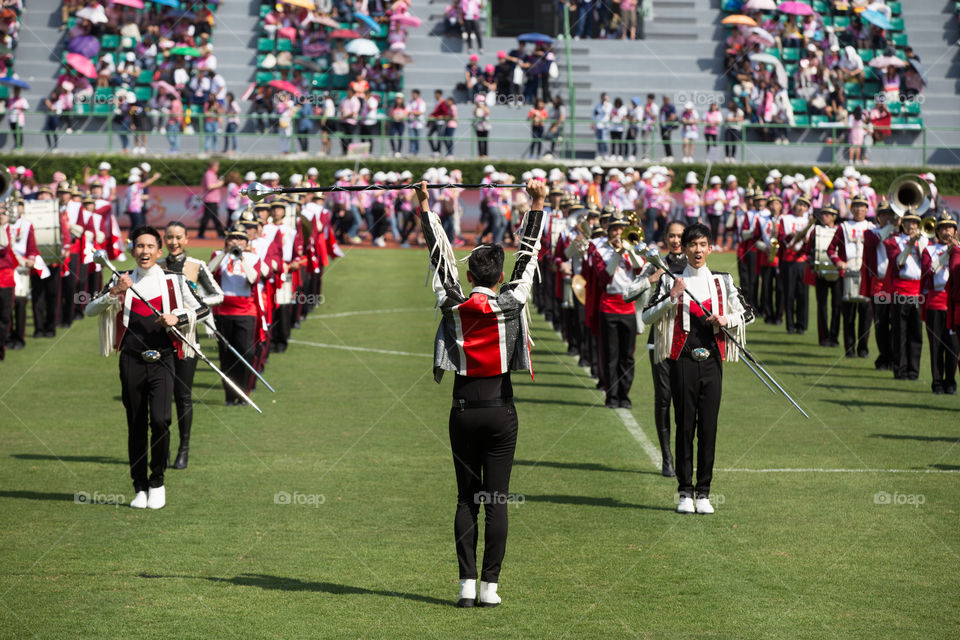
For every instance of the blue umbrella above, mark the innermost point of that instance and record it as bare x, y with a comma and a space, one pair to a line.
14, 82
876, 18
535, 37
370, 22
170, 3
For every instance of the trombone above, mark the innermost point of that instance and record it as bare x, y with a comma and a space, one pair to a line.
653, 256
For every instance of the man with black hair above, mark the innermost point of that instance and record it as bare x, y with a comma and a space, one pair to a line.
689, 334
147, 355
482, 338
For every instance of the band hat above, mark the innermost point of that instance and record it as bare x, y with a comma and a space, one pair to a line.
556, 192
911, 214
774, 198
264, 176
45, 189
617, 219
802, 200
538, 173
943, 220
237, 231
296, 180
859, 200
759, 195
829, 211
749, 193
593, 212
88, 200
929, 177
884, 207
63, 187
364, 172
280, 203
313, 171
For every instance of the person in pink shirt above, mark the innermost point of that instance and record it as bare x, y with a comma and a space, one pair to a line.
712, 121
16, 108
470, 23
211, 200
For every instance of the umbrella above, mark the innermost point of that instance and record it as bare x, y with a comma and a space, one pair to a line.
796, 8
163, 87
738, 19
397, 57
82, 64
534, 37
186, 51
766, 58
362, 47
180, 14
345, 34
136, 4
405, 20
370, 22
87, 46
169, 3
306, 63
918, 68
760, 5
326, 22
881, 62
93, 15
876, 18
763, 36
14, 81
283, 85
306, 4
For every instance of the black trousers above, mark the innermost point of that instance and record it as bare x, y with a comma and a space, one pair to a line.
483, 442
618, 336
661, 393
856, 335
241, 333
6, 312
211, 213
944, 347
68, 292
45, 297
883, 330
771, 295
829, 298
749, 278
280, 333
435, 135
665, 135
346, 135
697, 388
184, 370
796, 295
18, 326
147, 390
907, 339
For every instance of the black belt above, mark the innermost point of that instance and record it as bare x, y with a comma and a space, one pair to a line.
482, 404
147, 355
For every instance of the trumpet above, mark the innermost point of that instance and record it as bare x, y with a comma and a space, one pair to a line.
774, 248
928, 227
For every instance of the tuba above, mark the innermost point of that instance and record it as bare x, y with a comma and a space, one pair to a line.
632, 241
909, 192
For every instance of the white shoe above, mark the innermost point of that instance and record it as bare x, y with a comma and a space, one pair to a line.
139, 501
156, 498
379, 242
488, 595
668, 159
704, 506
468, 593
686, 505
631, 158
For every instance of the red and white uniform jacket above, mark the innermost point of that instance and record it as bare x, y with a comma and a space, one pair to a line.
935, 275
905, 278
873, 271
615, 273
848, 244
25, 245
483, 334
788, 226
718, 295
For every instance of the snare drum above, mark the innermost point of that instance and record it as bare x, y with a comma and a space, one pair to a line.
851, 282
45, 218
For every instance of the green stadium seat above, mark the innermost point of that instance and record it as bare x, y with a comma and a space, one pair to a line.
263, 77
321, 79
799, 105
841, 22
854, 103
911, 108
897, 24
146, 77
916, 121
895, 7
817, 120
730, 6
109, 42
791, 54
801, 121
143, 93
341, 82
791, 68
895, 107
866, 55
71, 21
821, 7
898, 120
284, 44
4, 91
102, 108
264, 10
871, 88
899, 39
851, 89
773, 51
265, 45
827, 20
81, 108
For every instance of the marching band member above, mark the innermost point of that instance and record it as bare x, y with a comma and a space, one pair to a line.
147, 353
237, 271
689, 336
792, 232
280, 240
875, 286
8, 266
45, 288
482, 337
771, 285
944, 344
205, 287
847, 251
28, 259
904, 251
618, 318
644, 286
828, 284
744, 217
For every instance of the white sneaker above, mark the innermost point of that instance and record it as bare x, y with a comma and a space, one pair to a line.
156, 498
379, 242
704, 506
685, 505
488, 595
139, 501
631, 158
468, 593
668, 159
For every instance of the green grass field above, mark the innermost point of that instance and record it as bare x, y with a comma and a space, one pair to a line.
358, 439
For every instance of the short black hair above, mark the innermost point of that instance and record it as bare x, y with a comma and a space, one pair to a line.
139, 231
486, 264
694, 232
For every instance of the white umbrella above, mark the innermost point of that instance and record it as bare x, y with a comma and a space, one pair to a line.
760, 5
763, 36
766, 58
93, 15
362, 47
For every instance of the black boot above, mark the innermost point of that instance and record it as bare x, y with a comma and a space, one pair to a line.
667, 465
181, 461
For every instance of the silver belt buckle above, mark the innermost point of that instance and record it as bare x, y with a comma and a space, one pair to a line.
700, 354
150, 355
